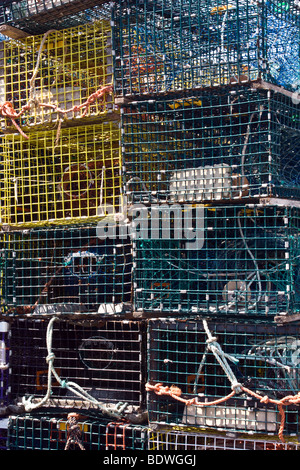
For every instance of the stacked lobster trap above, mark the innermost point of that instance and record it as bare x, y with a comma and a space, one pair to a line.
72, 357
210, 133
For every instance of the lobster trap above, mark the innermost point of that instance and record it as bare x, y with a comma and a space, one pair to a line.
59, 78
74, 179
212, 146
38, 16
94, 365
223, 260
4, 372
168, 46
51, 433
180, 440
231, 376
65, 270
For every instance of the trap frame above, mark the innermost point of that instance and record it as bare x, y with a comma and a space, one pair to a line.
165, 46
67, 270
45, 432
223, 370
61, 77
226, 260
221, 145
74, 179
97, 367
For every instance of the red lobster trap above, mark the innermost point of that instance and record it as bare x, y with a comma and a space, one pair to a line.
238, 376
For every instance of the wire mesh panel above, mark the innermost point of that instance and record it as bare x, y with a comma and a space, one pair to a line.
221, 145
225, 260
207, 362
164, 45
97, 365
74, 179
180, 440
48, 433
65, 270
4, 361
60, 77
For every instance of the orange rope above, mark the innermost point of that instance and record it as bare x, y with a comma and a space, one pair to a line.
7, 109
175, 393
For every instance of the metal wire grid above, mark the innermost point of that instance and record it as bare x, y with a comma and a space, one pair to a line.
104, 358
208, 146
65, 270
225, 260
263, 358
74, 179
162, 46
61, 68
176, 440
38, 16
50, 433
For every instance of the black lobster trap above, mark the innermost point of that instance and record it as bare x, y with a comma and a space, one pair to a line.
92, 365
225, 371
67, 269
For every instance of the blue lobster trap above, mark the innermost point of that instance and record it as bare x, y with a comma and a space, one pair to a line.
230, 376
212, 146
68, 270
166, 46
217, 260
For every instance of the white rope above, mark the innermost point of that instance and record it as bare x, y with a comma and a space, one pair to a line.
72, 386
221, 356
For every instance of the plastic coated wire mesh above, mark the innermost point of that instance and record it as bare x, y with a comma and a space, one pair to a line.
175, 440
62, 68
221, 145
51, 433
64, 270
74, 179
268, 364
104, 358
164, 45
225, 260
37, 16
4, 361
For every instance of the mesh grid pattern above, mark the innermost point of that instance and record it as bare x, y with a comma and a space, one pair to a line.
48, 433
221, 145
67, 270
73, 180
243, 260
267, 363
105, 358
64, 68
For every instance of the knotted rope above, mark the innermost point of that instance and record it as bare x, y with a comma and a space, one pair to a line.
175, 392
74, 432
117, 411
7, 110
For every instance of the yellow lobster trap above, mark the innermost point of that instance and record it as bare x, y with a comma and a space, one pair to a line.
48, 182
57, 77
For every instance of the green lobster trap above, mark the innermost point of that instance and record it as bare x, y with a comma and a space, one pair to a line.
91, 365
74, 179
224, 260
45, 432
232, 376
212, 146
167, 46
61, 77
65, 270
195, 441
38, 16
